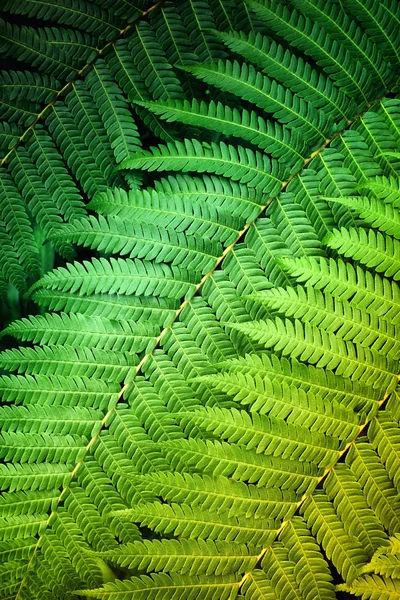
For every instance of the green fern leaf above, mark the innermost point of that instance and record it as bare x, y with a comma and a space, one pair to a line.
239, 163
155, 587
322, 349
119, 276
379, 22
314, 41
114, 111
282, 401
321, 310
88, 17
346, 553
373, 587
291, 372
290, 70
79, 330
187, 522
114, 235
245, 82
375, 250
267, 435
67, 360
377, 487
310, 571
371, 210
220, 458
346, 282
61, 390
270, 137
26, 46
185, 557
159, 311
345, 30
167, 210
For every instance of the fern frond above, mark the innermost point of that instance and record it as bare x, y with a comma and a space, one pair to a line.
372, 587
54, 174
199, 23
80, 330
358, 156
67, 360
127, 430
29, 503
314, 41
174, 212
293, 225
130, 308
290, 70
377, 487
192, 522
334, 316
268, 136
152, 64
306, 192
373, 128
129, 76
151, 413
284, 402
32, 86
114, 111
380, 216
385, 188
266, 243
358, 519
380, 23
245, 82
114, 235
279, 571
26, 46
322, 349
73, 45
311, 570
267, 435
38, 419
88, 125
291, 372
375, 250
61, 390
155, 587
344, 281
239, 163
185, 557
386, 565
173, 35
349, 34
28, 447
220, 494
384, 436
11, 270
17, 549
43, 476
8, 137
37, 198
120, 276
220, 458
235, 199
258, 587
347, 554
89, 17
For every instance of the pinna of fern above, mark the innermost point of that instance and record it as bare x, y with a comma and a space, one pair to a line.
197, 379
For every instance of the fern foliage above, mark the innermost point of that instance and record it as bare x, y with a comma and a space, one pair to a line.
203, 404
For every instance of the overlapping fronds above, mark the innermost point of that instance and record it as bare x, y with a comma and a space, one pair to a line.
201, 408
